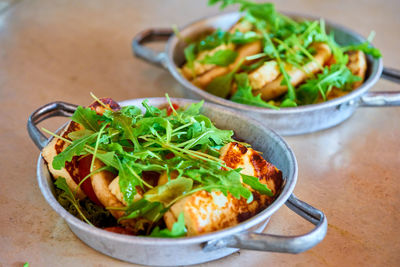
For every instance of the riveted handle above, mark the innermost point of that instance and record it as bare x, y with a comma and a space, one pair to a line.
383, 99
54, 109
277, 243
391, 74
147, 54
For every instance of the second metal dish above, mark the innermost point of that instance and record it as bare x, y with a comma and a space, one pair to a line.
286, 121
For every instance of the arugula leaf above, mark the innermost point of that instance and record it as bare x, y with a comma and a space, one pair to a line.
74, 149
365, 47
213, 40
143, 208
244, 93
221, 58
288, 103
178, 229
190, 55
166, 193
193, 109
127, 182
87, 117
108, 158
61, 183
337, 75
152, 111
125, 123
79, 134
254, 183
221, 85
244, 38
131, 111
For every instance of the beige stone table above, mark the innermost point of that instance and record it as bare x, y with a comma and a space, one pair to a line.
62, 50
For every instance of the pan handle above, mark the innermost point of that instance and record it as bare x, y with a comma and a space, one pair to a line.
391, 74
54, 109
276, 243
380, 99
383, 99
147, 54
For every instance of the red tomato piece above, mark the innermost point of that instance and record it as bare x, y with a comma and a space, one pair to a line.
86, 186
169, 109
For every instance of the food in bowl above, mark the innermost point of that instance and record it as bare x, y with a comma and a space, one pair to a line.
164, 172
269, 60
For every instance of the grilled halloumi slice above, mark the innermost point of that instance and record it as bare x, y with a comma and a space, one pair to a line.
198, 67
266, 73
207, 212
201, 68
70, 172
297, 75
357, 65
243, 52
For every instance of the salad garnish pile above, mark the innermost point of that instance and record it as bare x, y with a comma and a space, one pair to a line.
135, 145
269, 60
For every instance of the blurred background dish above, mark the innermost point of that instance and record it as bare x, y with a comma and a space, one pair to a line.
286, 120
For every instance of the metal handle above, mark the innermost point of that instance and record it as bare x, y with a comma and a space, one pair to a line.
147, 54
59, 109
383, 99
391, 74
276, 243
380, 99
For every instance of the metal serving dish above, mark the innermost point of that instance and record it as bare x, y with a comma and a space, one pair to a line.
202, 248
286, 121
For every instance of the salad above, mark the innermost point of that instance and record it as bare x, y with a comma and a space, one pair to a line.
161, 172
270, 60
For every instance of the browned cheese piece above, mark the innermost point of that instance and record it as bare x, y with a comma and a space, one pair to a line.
206, 212
201, 68
100, 183
297, 75
243, 52
357, 64
198, 67
70, 172
264, 74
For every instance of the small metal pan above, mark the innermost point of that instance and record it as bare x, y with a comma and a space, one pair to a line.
202, 248
286, 121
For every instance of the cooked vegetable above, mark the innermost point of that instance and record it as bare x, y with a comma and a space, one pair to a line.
138, 167
282, 59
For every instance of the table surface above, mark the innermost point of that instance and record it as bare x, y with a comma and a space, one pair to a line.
62, 50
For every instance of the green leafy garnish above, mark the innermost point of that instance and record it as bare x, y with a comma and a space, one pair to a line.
221, 58
178, 229
74, 149
366, 47
221, 86
168, 192
291, 44
244, 93
130, 143
254, 183
86, 117
244, 38
336, 75
190, 55
61, 183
